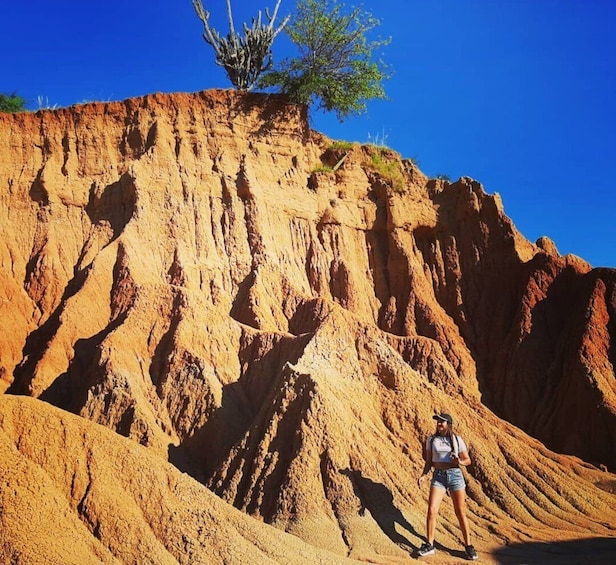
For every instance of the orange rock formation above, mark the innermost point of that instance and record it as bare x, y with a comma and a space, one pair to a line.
183, 270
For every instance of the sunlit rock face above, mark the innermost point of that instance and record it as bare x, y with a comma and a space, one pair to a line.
279, 316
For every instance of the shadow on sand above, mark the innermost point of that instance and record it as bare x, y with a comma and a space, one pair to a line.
591, 551
379, 501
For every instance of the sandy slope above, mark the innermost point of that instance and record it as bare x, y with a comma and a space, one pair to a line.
75, 492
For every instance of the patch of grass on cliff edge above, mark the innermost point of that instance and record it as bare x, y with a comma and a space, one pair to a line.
342, 145
388, 167
382, 160
323, 169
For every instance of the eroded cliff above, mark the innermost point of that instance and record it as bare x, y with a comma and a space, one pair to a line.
184, 270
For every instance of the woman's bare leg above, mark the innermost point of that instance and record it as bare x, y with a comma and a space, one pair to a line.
434, 502
459, 505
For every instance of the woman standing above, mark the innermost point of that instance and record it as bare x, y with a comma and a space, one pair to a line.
446, 453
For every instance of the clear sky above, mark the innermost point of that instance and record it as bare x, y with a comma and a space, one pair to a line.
517, 94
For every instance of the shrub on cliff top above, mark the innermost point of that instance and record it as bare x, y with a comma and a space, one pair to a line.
243, 58
12, 103
335, 66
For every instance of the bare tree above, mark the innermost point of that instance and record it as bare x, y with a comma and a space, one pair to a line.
243, 58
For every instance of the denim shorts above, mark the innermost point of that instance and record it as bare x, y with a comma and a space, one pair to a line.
451, 479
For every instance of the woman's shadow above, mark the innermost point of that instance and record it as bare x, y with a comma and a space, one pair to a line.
379, 501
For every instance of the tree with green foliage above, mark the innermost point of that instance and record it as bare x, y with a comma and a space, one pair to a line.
335, 66
12, 103
243, 58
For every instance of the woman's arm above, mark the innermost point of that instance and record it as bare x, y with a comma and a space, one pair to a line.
463, 459
427, 454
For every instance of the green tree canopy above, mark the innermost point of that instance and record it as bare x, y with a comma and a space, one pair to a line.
335, 67
12, 103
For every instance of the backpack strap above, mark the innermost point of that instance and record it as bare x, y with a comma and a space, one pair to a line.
427, 447
455, 440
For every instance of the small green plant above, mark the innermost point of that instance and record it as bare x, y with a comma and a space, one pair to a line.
442, 176
12, 103
342, 145
388, 168
379, 162
323, 169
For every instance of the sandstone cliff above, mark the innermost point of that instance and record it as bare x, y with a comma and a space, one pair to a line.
182, 270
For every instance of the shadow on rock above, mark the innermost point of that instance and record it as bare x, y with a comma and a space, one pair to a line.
379, 501
595, 551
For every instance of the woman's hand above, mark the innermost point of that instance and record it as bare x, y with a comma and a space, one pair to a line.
462, 460
420, 480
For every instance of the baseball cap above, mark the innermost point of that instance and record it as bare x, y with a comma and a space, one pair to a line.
443, 418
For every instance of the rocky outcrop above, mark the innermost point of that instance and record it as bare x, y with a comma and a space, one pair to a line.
190, 272
85, 495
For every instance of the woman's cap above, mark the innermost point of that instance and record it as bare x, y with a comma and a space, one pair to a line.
443, 418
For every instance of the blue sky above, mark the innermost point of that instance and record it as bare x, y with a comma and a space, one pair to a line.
517, 94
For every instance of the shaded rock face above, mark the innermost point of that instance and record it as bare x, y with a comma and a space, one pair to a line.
175, 269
